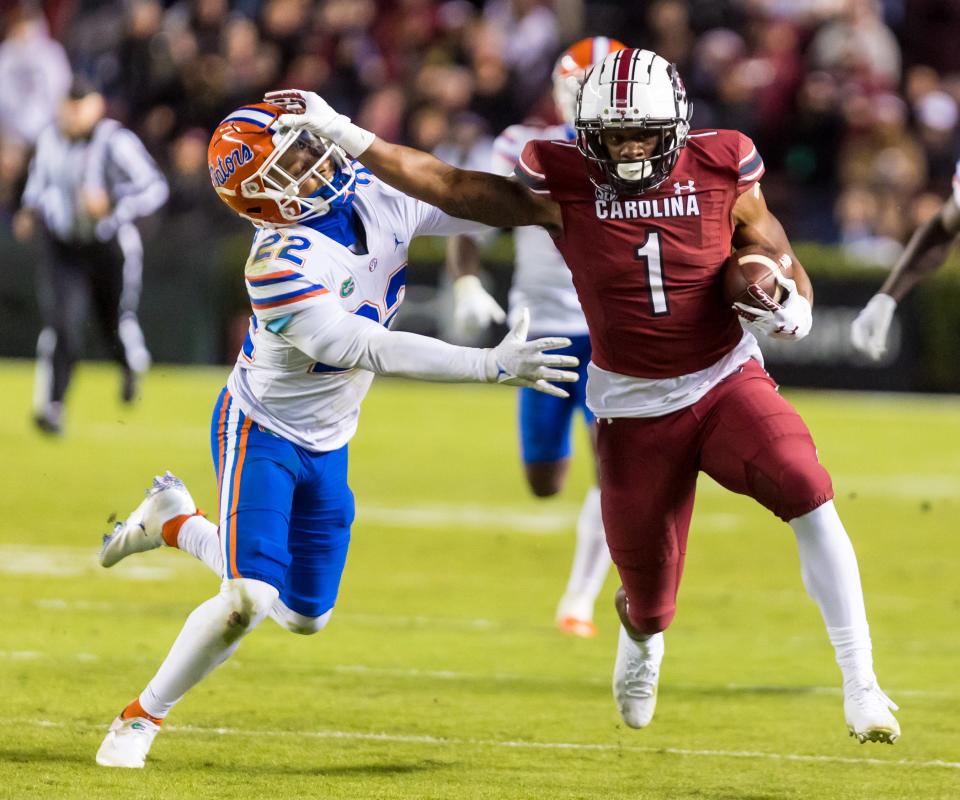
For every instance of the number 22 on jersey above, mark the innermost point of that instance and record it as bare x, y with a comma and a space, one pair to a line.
278, 247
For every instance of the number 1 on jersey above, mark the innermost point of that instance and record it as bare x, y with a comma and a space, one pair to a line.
649, 251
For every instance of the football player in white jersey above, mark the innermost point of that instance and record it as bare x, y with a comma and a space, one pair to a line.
871, 328
325, 277
543, 283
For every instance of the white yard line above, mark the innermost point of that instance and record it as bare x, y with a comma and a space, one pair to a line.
442, 741
62, 561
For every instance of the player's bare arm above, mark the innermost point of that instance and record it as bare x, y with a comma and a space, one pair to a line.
754, 224
490, 199
925, 253
481, 196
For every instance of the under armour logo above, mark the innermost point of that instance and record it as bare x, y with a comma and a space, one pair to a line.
679, 188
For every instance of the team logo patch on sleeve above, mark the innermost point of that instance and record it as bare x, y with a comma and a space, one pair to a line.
347, 287
606, 193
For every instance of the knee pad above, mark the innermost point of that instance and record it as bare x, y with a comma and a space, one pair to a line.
298, 623
248, 601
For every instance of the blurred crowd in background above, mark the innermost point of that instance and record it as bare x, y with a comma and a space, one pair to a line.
853, 103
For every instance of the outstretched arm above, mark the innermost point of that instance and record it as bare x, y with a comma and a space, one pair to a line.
331, 335
481, 196
491, 199
924, 254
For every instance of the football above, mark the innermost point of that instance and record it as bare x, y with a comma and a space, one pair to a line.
749, 276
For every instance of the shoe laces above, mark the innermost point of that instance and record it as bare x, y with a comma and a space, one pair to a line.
866, 694
640, 678
163, 482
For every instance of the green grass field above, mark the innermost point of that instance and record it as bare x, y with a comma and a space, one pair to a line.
441, 675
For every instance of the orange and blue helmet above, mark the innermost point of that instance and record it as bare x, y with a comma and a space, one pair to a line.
571, 68
274, 175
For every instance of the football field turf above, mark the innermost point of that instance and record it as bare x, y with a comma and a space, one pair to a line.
441, 675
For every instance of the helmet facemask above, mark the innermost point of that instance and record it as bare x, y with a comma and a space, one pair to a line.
299, 159
635, 177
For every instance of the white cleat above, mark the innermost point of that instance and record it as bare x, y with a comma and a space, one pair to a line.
635, 678
127, 743
868, 712
143, 529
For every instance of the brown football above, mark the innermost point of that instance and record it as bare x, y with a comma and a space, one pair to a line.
749, 276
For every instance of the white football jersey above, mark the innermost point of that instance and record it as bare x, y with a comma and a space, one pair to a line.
541, 280
295, 268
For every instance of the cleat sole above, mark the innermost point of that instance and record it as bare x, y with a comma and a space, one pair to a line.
880, 736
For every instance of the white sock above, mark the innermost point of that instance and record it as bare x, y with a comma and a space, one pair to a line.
198, 537
830, 574
651, 646
591, 561
208, 638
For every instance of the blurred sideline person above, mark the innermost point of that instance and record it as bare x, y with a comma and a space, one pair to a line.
645, 213
326, 276
924, 254
35, 76
542, 283
89, 180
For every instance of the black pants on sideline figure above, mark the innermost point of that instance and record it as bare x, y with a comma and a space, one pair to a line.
72, 279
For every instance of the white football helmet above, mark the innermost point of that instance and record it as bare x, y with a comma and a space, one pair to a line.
633, 89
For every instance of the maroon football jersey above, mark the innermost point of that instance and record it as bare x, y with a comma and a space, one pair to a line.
646, 267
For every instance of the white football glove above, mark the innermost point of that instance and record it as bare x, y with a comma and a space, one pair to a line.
517, 362
792, 320
868, 332
474, 310
309, 111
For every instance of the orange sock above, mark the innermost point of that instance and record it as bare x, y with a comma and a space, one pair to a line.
134, 709
171, 528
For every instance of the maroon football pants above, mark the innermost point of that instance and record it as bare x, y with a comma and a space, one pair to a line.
743, 434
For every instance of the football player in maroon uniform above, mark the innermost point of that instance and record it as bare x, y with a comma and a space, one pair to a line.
645, 212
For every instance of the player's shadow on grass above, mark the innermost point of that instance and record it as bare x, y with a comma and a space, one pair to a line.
383, 769
318, 770
720, 691
172, 764
41, 755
